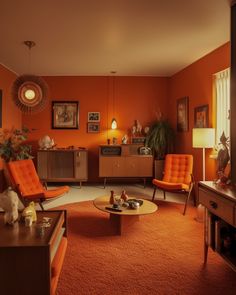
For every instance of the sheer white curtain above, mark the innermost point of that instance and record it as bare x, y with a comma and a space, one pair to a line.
222, 90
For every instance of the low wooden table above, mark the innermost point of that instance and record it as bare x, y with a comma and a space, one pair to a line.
123, 221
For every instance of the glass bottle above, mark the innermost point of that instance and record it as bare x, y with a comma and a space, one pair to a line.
112, 198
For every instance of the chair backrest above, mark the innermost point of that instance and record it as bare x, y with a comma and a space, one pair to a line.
178, 168
24, 177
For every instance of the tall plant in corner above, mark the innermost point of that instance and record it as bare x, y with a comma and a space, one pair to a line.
160, 138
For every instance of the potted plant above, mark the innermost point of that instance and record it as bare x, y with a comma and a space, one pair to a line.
160, 139
13, 146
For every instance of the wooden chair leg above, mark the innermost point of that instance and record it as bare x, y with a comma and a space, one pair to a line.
187, 199
186, 203
41, 205
154, 192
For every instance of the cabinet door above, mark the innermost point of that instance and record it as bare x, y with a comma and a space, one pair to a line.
140, 166
81, 165
61, 164
111, 166
118, 167
42, 165
146, 166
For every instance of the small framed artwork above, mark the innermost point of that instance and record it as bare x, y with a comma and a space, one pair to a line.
93, 127
201, 116
93, 117
65, 114
182, 114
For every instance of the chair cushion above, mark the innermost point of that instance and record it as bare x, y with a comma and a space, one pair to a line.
178, 168
52, 193
25, 177
27, 181
170, 186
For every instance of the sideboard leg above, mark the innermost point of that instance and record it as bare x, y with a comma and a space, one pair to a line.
144, 182
104, 182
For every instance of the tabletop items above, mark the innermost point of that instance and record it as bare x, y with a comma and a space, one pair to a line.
123, 202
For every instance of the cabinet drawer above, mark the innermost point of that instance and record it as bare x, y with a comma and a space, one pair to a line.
217, 205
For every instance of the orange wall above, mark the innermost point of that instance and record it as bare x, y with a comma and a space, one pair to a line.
195, 81
11, 116
134, 98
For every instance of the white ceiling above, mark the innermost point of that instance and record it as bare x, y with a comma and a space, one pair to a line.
94, 37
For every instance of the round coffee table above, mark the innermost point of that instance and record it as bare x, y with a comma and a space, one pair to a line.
122, 221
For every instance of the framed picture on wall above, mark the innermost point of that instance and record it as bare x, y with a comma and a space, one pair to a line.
65, 114
93, 127
0, 108
93, 117
182, 114
201, 117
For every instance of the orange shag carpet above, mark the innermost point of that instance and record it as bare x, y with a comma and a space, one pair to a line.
162, 255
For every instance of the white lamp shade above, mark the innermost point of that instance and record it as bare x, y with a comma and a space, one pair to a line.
203, 137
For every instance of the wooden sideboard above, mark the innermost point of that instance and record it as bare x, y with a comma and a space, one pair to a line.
31, 262
220, 220
121, 161
63, 165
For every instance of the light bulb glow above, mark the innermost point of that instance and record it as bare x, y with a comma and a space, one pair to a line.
113, 124
29, 94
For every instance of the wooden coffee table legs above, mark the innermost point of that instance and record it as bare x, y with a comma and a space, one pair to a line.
123, 223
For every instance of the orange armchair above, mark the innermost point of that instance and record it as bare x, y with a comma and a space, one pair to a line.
177, 176
24, 179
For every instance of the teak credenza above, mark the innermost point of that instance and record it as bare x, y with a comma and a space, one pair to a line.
31, 263
121, 161
63, 165
220, 220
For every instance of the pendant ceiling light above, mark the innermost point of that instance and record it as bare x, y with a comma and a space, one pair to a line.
30, 92
113, 121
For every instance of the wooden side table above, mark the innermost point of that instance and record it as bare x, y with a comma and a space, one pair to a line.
26, 256
220, 218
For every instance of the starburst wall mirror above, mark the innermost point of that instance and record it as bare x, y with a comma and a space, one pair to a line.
30, 92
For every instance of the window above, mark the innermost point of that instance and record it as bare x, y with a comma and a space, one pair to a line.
222, 93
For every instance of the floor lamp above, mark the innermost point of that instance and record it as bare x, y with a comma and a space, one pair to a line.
203, 138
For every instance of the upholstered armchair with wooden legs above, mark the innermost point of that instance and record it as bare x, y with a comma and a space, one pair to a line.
177, 176
25, 181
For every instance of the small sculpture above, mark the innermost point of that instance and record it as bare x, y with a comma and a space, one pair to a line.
124, 139
146, 130
30, 211
138, 127
124, 196
223, 156
9, 203
133, 130
46, 143
114, 140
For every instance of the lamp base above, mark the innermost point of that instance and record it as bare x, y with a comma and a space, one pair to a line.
200, 214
